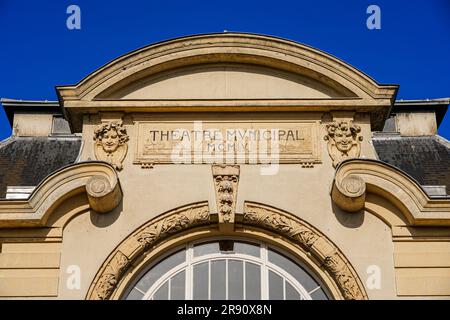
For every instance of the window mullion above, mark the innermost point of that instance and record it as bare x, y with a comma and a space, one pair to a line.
226, 279
244, 280
209, 280
189, 281
169, 282
264, 274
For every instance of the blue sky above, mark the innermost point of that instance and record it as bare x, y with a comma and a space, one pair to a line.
37, 51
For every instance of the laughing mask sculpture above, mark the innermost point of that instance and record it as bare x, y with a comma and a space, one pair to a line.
111, 143
343, 140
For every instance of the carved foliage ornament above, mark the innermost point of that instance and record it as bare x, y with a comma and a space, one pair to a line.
113, 271
141, 241
172, 224
111, 143
343, 140
226, 180
312, 241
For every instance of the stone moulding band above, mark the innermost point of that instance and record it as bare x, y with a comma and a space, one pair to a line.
312, 241
121, 260
141, 241
109, 76
354, 178
99, 89
97, 179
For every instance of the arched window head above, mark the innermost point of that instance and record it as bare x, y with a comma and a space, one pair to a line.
226, 269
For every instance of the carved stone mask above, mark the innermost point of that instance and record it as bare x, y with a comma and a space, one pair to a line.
344, 134
110, 136
343, 137
110, 140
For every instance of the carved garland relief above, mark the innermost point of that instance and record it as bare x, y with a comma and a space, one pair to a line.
111, 143
143, 240
311, 240
344, 140
113, 271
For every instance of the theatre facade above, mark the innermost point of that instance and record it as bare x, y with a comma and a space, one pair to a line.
225, 166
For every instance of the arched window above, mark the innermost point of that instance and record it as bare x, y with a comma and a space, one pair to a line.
227, 269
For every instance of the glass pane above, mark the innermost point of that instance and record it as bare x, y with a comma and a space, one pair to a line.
275, 286
295, 270
162, 293
235, 280
134, 295
177, 287
247, 248
319, 295
252, 281
291, 293
218, 280
201, 283
206, 248
160, 269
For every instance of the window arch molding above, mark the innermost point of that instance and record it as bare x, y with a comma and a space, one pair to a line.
271, 263
259, 222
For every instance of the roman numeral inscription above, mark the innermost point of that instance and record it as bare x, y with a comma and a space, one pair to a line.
201, 142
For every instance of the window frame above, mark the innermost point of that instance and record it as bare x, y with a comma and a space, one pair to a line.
190, 261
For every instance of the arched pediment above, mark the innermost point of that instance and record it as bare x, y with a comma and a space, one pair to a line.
231, 70
226, 81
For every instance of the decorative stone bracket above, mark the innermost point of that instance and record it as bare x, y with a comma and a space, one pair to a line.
226, 180
349, 193
102, 196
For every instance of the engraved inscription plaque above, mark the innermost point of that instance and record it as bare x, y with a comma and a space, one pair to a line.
260, 142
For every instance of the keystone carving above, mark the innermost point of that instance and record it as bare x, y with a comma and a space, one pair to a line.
226, 180
344, 141
111, 143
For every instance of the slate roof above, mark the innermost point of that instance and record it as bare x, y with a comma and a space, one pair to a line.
425, 158
26, 161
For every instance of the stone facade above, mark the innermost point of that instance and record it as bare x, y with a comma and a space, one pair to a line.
225, 136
